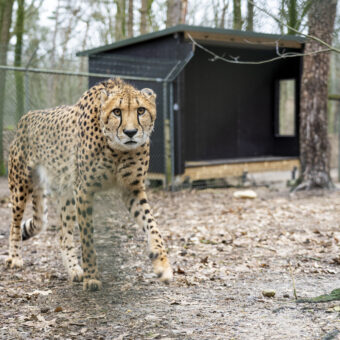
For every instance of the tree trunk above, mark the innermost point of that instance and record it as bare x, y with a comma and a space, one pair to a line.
173, 13
184, 11
143, 17
314, 144
51, 82
250, 16
6, 8
130, 19
120, 31
282, 17
83, 45
292, 13
237, 17
19, 80
225, 6
292, 16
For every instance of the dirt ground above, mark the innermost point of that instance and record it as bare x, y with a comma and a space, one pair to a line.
225, 252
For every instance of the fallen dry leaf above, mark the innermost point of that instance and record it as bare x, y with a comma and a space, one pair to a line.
204, 260
180, 271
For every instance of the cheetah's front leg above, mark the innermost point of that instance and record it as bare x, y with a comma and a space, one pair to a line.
67, 206
136, 202
84, 203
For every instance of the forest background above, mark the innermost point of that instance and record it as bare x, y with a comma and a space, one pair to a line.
46, 35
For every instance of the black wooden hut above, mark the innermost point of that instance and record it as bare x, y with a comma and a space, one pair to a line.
215, 118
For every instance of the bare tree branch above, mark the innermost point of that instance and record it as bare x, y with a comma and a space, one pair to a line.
295, 30
235, 60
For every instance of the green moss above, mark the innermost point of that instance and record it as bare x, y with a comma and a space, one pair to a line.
333, 296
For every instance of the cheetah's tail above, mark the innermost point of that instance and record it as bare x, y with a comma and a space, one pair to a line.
28, 229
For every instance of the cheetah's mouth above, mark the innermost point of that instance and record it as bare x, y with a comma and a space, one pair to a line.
130, 142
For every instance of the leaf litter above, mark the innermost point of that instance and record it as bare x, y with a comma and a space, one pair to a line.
225, 253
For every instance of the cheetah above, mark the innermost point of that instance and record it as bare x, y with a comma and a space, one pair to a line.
75, 151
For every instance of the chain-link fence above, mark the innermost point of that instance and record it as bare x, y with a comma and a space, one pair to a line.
27, 90
38, 91
31, 89
334, 112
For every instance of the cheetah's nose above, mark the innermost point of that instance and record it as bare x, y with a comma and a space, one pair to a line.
130, 133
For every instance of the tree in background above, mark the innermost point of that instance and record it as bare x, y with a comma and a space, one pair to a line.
145, 16
130, 21
6, 8
250, 16
19, 81
292, 14
220, 11
120, 23
184, 11
314, 145
173, 13
176, 12
237, 15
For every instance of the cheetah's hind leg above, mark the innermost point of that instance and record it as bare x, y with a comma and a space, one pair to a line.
19, 196
23, 230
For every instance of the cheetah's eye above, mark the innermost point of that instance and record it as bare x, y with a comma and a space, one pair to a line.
117, 112
141, 110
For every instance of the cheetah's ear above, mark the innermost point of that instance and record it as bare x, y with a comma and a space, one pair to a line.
103, 96
149, 94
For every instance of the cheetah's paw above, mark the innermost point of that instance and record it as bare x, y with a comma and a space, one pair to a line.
76, 274
92, 285
14, 262
162, 268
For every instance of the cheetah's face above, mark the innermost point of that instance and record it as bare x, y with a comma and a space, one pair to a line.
127, 117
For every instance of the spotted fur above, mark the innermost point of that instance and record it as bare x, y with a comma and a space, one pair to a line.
75, 151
